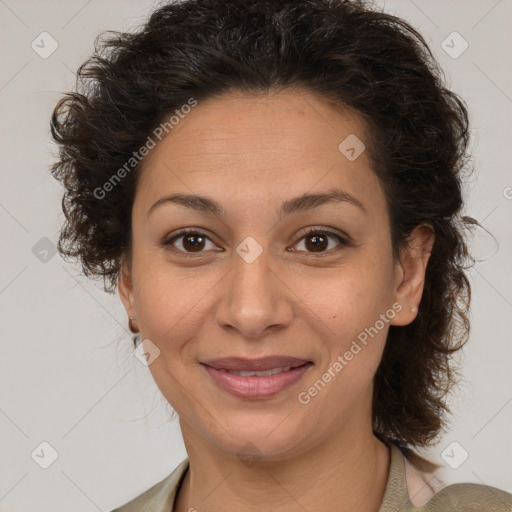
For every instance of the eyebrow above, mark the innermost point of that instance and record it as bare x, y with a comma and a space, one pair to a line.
297, 204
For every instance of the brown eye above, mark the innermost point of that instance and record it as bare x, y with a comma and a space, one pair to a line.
194, 242
188, 241
317, 241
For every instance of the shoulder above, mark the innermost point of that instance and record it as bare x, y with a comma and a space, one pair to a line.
410, 489
469, 498
160, 497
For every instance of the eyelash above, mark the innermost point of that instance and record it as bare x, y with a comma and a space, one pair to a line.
343, 241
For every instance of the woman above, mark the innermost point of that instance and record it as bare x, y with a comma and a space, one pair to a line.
274, 188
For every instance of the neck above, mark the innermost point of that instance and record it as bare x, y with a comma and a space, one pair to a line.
349, 472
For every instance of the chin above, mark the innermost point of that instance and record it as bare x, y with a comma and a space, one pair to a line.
269, 438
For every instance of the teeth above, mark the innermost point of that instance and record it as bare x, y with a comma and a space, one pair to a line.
263, 373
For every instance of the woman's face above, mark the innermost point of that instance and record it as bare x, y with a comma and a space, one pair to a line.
253, 283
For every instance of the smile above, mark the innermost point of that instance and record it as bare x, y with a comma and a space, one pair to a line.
263, 373
257, 384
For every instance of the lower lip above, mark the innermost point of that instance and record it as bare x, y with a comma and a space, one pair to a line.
257, 387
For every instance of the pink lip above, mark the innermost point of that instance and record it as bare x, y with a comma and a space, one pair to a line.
255, 387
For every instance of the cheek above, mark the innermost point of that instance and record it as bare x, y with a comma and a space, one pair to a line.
341, 391
170, 308
169, 300
170, 312
349, 298
355, 310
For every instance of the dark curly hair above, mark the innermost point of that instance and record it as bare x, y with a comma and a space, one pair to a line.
347, 51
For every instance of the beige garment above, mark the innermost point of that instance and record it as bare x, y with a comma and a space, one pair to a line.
407, 490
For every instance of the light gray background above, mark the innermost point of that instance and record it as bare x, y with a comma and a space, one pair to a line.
68, 374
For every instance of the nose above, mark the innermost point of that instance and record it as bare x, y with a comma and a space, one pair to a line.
255, 299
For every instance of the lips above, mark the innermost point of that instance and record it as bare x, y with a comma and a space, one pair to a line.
239, 364
256, 378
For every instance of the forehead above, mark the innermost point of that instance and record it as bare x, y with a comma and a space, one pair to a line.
236, 124
261, 148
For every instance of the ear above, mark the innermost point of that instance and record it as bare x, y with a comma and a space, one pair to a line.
410, 273
125, 288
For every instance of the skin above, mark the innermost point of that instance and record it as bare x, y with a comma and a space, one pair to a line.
250, 153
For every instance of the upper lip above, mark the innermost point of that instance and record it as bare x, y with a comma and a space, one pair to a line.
260, 364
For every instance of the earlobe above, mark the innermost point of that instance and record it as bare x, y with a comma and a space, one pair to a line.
411, 273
